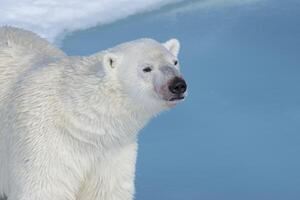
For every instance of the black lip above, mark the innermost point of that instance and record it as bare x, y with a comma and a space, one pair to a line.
176, 98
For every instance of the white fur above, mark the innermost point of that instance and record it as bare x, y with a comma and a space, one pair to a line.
68, 125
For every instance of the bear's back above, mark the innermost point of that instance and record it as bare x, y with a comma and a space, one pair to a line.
21, 51
29, 42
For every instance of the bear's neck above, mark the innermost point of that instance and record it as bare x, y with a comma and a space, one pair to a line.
104, 120
102, 127
99, 129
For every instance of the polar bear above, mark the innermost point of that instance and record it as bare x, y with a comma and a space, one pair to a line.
68, 125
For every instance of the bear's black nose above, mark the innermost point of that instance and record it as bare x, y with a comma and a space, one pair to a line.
177, 86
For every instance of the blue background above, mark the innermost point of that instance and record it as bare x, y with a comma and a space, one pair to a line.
237, 135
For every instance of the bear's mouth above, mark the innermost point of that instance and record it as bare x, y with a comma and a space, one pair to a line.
176, 98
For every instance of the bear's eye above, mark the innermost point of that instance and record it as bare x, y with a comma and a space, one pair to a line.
147, 69
175, 62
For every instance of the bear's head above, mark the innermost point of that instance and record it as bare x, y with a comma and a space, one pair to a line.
147, 72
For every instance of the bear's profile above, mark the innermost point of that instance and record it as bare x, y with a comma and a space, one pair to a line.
68, 125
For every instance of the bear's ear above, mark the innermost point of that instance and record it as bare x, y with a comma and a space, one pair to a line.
173, 46
110, 60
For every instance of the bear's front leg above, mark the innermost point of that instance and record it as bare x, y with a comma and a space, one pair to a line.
43, 171
112, 177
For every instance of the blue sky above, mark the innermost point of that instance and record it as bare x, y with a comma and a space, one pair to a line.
237, 135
